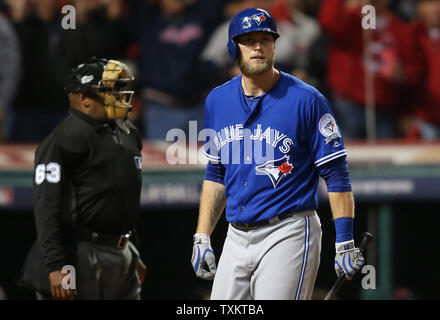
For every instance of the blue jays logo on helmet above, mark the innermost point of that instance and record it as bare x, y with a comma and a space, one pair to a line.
249, 20
276, 169
258, 18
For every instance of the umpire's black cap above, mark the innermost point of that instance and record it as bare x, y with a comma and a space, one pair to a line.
86, 77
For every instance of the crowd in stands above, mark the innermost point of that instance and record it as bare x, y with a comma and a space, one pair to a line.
177, 49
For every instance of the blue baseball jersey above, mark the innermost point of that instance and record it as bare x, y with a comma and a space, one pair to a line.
269, 148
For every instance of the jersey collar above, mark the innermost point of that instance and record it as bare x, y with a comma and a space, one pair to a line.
93, 122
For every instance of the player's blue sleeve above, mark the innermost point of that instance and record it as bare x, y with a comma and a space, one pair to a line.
211, 150
324, 138
336, 175
215, 172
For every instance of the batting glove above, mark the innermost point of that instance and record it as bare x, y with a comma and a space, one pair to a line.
348, 259
203, 256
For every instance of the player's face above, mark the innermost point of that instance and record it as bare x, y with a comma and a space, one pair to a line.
257, 51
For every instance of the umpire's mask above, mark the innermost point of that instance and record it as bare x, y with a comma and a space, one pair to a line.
110, 79
116, 79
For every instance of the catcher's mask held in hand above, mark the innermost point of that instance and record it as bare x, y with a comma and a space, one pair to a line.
116, 78
111, 79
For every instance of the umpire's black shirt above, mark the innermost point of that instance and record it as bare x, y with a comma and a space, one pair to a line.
87, 173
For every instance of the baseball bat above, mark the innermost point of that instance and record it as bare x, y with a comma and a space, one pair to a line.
366, 239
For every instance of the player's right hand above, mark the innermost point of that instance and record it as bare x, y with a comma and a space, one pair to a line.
203, 256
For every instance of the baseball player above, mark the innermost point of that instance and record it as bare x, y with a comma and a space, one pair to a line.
271, 137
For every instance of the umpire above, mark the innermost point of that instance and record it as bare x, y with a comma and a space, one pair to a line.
87, 185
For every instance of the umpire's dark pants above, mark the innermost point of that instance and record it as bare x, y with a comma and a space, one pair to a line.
106, 272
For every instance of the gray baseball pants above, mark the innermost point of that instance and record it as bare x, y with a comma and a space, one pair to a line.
275, 262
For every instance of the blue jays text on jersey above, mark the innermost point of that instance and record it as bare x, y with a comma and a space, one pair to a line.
293, 128
237, 132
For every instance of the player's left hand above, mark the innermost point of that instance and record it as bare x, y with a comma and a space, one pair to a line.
348, 259
202, 256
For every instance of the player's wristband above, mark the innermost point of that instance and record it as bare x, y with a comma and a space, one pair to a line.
342, 247
202, 238
344, 229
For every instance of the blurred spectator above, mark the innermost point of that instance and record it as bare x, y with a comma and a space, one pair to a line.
427, 32
39, 104
404, 293
297, 32
48, 54
9, 72
404, 8
309, 7
101, 31
390, 65
171, 35
316, 68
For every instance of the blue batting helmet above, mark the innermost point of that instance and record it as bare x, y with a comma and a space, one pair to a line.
249, 20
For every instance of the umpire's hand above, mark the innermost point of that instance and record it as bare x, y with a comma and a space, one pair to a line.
58, 292
141, 270
203, 256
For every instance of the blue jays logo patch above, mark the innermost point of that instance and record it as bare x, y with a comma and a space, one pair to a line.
258, 18
276, 169
328, 128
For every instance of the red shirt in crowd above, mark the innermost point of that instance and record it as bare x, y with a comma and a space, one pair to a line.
390, 46
428, 98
